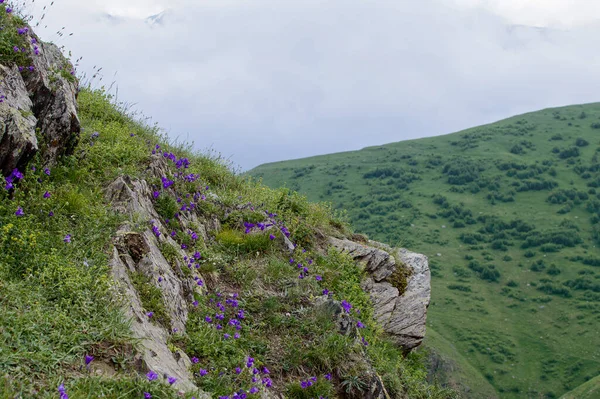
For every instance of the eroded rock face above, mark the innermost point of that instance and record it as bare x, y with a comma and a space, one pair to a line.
402, 315
140, 252
44, 99
18, 143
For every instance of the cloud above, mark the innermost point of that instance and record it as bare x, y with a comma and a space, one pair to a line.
266, 80
546, 13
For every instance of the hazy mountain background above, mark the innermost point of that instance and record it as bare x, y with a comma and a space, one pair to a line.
264, 80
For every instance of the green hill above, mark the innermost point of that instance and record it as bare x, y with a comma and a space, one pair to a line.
588, 390
508, 214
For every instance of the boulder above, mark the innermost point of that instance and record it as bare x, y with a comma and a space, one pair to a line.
400, 309
18, 143
44, 98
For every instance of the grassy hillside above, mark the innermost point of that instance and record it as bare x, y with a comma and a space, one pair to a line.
61, 322
509, 214
588, 390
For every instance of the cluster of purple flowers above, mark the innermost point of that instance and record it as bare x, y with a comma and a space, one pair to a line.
308, 383
272, 221
167, 182
62, 391
227, 317
14, 176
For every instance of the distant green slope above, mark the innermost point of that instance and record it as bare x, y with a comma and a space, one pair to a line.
588, 390
449, 367
509, 214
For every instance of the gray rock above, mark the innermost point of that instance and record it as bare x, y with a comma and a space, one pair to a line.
18, 143
139, 252
376, 261
54, 99
41, 99
407, 321
402, 315
155, 351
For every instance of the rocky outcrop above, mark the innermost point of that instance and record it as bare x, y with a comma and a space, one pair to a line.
41, 96
18, 143
400, 306
140, 252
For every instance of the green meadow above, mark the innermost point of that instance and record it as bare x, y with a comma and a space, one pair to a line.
509, 216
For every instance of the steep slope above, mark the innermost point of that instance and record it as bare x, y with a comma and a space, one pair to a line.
587, 390
509, 215
131, 267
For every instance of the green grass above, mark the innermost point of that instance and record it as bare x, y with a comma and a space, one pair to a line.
587, 390
57, 302
493, 201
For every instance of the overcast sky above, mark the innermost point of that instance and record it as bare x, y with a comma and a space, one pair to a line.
267, 80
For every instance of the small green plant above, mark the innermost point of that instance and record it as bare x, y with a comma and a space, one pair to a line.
151, 298
354, 386
399, 277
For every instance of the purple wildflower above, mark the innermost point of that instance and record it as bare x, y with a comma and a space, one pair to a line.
151, 375
147, 395
88, 359
271, 237
253, 390
47, 194
318, 278
50, 213
63, 392
19, 212
347, 306
328, 377
8, 11
195, 360
47, 171
359, 324
202, 372
172, 380
16, 174
67, 238
150, 314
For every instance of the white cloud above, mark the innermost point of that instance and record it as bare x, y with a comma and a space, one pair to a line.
547, 13
265, 80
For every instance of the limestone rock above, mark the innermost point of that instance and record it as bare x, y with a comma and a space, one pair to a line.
44, 98
54, 98
402, 315
140, 252
18, 143
156, 354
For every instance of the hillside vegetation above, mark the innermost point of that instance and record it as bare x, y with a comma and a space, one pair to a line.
63, 331
509, 214
587, 390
